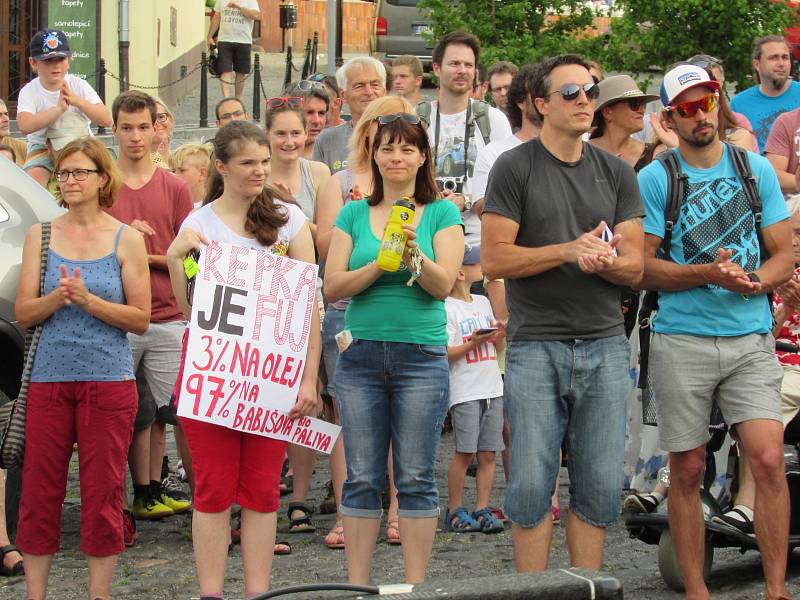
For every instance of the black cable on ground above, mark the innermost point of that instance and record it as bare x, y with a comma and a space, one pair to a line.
318, 587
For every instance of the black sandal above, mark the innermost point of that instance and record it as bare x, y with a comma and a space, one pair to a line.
301, 524
18, 569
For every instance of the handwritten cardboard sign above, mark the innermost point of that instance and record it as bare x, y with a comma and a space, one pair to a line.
251, 321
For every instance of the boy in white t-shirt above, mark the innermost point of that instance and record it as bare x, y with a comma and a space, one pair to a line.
46, 99
476, 401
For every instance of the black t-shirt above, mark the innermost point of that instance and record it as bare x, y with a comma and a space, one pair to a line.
555, 202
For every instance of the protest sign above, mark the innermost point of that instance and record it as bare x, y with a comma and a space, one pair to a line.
251, 321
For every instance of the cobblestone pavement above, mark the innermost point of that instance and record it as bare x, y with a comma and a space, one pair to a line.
160, 565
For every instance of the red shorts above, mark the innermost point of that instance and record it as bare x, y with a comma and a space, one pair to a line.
99, 416
230, 466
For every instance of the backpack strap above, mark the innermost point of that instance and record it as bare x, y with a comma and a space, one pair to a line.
676, 189
480, 115
744, 172
424, 113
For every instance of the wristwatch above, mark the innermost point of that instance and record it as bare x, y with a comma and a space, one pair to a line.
468, 203
753, 277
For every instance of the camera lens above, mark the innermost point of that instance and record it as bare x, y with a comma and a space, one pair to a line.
449, 184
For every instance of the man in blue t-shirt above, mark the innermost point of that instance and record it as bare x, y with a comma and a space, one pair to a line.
712, 337
775, 93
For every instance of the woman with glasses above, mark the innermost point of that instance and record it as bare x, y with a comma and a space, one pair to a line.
352, 183
391, 377
232, 466
82, 387
618, 114
163, 137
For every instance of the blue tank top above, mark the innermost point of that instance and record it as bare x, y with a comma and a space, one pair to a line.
75, 346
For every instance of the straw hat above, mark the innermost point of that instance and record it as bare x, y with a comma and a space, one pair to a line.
619, 87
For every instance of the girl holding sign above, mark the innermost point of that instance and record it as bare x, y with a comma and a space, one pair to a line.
96, 288
392, 374
232, 466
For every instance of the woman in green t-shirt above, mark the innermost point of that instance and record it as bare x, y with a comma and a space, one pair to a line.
391, 380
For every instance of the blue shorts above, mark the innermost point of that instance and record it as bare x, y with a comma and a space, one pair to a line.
575, 390
331, 325
391, 391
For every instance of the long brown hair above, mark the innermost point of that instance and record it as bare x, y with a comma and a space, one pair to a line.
400, 130
265, 216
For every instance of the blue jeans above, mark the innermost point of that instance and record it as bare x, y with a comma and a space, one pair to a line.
575, 390
391, 391
331, 325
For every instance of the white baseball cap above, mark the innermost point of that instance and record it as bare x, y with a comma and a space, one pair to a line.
684, 77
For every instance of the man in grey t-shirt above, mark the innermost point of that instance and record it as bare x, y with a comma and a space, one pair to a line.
362, 79
562, 225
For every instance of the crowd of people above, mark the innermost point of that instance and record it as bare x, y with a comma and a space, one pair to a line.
541, 205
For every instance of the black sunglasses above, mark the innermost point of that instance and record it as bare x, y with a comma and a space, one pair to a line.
571, 91
407, 117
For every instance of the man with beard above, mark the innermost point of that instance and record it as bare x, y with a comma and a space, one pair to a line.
712, 336
458, 126
775, 93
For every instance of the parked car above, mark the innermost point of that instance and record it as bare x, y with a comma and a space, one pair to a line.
23, 202
400, 29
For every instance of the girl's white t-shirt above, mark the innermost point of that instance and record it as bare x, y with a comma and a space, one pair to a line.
475, 376
206, 221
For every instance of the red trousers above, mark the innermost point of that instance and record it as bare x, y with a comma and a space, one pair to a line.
230, 466
99, 415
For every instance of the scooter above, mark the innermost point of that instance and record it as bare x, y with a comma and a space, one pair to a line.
653, 528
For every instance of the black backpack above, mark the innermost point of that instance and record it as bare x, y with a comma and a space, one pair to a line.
676, 190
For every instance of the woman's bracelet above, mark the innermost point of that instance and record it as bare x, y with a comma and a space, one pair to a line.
416, 265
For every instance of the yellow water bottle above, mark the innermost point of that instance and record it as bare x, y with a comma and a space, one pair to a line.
393, 244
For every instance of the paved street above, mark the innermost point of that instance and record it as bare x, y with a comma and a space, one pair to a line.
160, 566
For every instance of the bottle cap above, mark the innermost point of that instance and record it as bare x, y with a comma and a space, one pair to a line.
405, 203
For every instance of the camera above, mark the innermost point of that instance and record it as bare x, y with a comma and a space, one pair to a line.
454, 184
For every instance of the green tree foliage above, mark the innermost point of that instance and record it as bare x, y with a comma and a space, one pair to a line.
517, 30
657, 33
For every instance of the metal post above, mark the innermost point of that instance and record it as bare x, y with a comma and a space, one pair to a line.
314, 52
257, 89
287, 78
339, 19
124, 44
330, 29
101, 88
203, 89
306, 61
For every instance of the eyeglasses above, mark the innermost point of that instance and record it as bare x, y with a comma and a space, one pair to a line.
499, 89
407, 117
77, 174
571, 91
162, 117
635, 104
237, 114
292, 101
689, 109
307, 84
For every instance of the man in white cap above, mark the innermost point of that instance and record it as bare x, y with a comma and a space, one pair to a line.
712, 332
